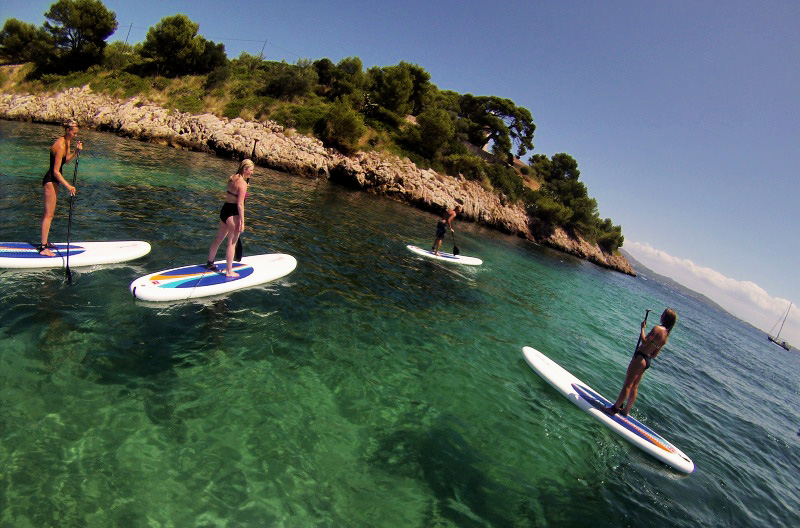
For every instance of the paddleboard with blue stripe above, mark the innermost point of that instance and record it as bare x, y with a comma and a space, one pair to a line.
446, 257
191, 282
593, 403
24, 254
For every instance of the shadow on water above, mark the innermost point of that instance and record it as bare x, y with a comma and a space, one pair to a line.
145, 358
467, 487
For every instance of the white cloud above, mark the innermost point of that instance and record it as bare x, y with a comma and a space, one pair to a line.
744, 299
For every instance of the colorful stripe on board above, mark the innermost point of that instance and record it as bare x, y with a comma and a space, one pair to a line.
25, 250
629, 423
198, 276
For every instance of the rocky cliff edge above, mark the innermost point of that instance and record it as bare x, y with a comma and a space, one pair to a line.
283, 149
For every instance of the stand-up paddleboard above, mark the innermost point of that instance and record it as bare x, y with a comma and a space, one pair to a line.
447, 257
593, 403
24, 255
191, 282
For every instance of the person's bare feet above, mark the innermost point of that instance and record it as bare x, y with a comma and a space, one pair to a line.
44, 250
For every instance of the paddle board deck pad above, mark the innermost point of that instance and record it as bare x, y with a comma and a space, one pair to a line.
447, 257
191, 282
24, 255
593, 403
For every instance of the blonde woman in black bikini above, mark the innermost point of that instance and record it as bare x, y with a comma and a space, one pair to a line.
650, 347
60, 153
231, 217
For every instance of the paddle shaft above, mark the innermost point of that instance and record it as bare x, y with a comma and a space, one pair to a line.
237, 256
69, 222
639, 341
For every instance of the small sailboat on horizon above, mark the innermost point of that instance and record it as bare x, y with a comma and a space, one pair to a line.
776, 339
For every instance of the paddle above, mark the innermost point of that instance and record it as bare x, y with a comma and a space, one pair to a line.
69, 223
237, 256
639, 342
455, 247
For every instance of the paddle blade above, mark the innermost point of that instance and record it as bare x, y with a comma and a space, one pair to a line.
237, 256
455, 250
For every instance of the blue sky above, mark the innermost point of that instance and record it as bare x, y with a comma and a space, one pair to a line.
684, 116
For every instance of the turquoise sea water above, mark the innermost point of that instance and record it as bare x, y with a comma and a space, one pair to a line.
370, 387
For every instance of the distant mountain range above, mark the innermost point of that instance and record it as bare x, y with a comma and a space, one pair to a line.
647, 273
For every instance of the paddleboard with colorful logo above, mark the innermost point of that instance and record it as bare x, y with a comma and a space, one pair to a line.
191, 282
447, 257
593, 403
25, 255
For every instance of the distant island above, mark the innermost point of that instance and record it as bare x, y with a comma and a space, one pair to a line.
646, 273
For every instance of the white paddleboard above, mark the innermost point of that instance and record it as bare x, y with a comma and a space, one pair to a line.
191, 282
24, 255
592, 402
447, 257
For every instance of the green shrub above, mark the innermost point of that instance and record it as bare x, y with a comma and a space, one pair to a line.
436, 130
584, 215
410, 138
241, 90
217, 77
341, 128
234, 108
549, 210
529, 196
301, 117
287, 81
385, 117
469, 166
189, 103
120, 84
56, 82
609, 236
119, 55
161, 83
505, 179
610, 242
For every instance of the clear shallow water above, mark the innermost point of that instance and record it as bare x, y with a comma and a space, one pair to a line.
368, 388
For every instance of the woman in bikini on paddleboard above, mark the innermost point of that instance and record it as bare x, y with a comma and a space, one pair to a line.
60, 153
231, 217
649, 348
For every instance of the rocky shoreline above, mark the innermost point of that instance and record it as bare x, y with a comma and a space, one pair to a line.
283, 149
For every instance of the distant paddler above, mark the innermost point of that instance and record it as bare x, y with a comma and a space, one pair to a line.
445, 223
60, 153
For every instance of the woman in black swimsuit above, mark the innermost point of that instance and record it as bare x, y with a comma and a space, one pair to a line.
649, 348
60, 153
231, 217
